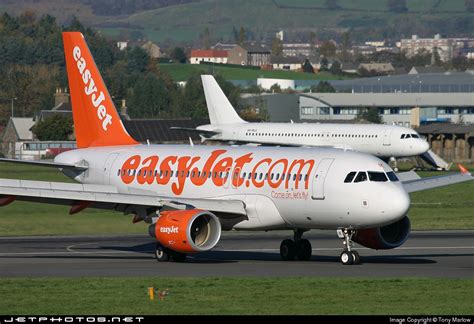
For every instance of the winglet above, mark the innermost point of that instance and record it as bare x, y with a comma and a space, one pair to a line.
463, 169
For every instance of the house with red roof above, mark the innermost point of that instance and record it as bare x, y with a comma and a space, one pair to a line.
211, 55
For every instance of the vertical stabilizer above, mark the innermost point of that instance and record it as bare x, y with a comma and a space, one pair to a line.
96, 121
219, 107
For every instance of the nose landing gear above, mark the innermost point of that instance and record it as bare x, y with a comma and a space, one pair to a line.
348, 255
298, 248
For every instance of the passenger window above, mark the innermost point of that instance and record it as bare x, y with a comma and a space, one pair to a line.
350, 177
392, 176
403, 136
361, 176
377, 176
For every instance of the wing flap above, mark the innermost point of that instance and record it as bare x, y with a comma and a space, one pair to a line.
107, 197
47, 164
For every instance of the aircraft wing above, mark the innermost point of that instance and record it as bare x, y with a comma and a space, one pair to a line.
47, 164
81, 196
414, 185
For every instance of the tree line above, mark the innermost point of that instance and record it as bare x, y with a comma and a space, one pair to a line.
33, 66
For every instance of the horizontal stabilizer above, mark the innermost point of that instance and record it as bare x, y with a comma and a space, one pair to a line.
206, 133
47, 164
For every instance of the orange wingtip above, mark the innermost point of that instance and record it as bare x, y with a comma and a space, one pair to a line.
462, 168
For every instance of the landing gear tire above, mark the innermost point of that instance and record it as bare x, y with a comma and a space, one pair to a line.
303, 250
356, 257
348, 255
347, 258
161, 253
287, 250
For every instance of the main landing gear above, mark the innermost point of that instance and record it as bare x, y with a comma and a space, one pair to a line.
348, 255
392, 161
298, 248
163, 254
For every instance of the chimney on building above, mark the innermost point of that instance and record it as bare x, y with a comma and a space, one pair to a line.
61, 96
123, 110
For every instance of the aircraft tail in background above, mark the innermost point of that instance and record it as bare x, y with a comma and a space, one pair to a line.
220, 109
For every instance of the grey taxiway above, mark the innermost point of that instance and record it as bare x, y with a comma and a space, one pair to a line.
441, 254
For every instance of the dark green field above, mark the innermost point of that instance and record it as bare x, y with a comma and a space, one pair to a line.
443, 208
237, 296
182, 72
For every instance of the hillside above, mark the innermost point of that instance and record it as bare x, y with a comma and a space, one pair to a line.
183, 22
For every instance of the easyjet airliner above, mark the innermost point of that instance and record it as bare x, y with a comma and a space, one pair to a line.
384, 141
188, 194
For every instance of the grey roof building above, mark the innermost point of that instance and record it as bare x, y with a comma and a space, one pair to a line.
429, 82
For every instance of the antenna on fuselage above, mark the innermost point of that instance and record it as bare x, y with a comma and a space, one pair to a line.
191, 141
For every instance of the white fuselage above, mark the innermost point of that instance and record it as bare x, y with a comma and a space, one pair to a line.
282, 187
380, 140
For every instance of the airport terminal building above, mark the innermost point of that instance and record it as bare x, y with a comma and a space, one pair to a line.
409, 100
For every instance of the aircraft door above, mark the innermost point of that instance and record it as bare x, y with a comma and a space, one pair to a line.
108, 167
386, 137
320, 178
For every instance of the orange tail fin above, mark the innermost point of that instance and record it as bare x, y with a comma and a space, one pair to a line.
96, 121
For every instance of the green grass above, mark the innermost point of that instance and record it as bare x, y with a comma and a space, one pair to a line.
23, 218
237, 296
182, 72
450, 207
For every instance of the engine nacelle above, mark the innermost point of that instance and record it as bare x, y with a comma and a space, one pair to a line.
385, 237
187, 231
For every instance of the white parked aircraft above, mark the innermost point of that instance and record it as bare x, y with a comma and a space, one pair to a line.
384, 141
189, 194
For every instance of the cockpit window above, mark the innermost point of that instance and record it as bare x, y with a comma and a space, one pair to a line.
377, 176
361, 176
392, 176
409, 136
350, 177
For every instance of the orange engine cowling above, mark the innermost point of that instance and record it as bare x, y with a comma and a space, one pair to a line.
187, 231
385, 237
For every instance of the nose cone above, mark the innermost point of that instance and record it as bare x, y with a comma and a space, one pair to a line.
424, 146
396, 204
